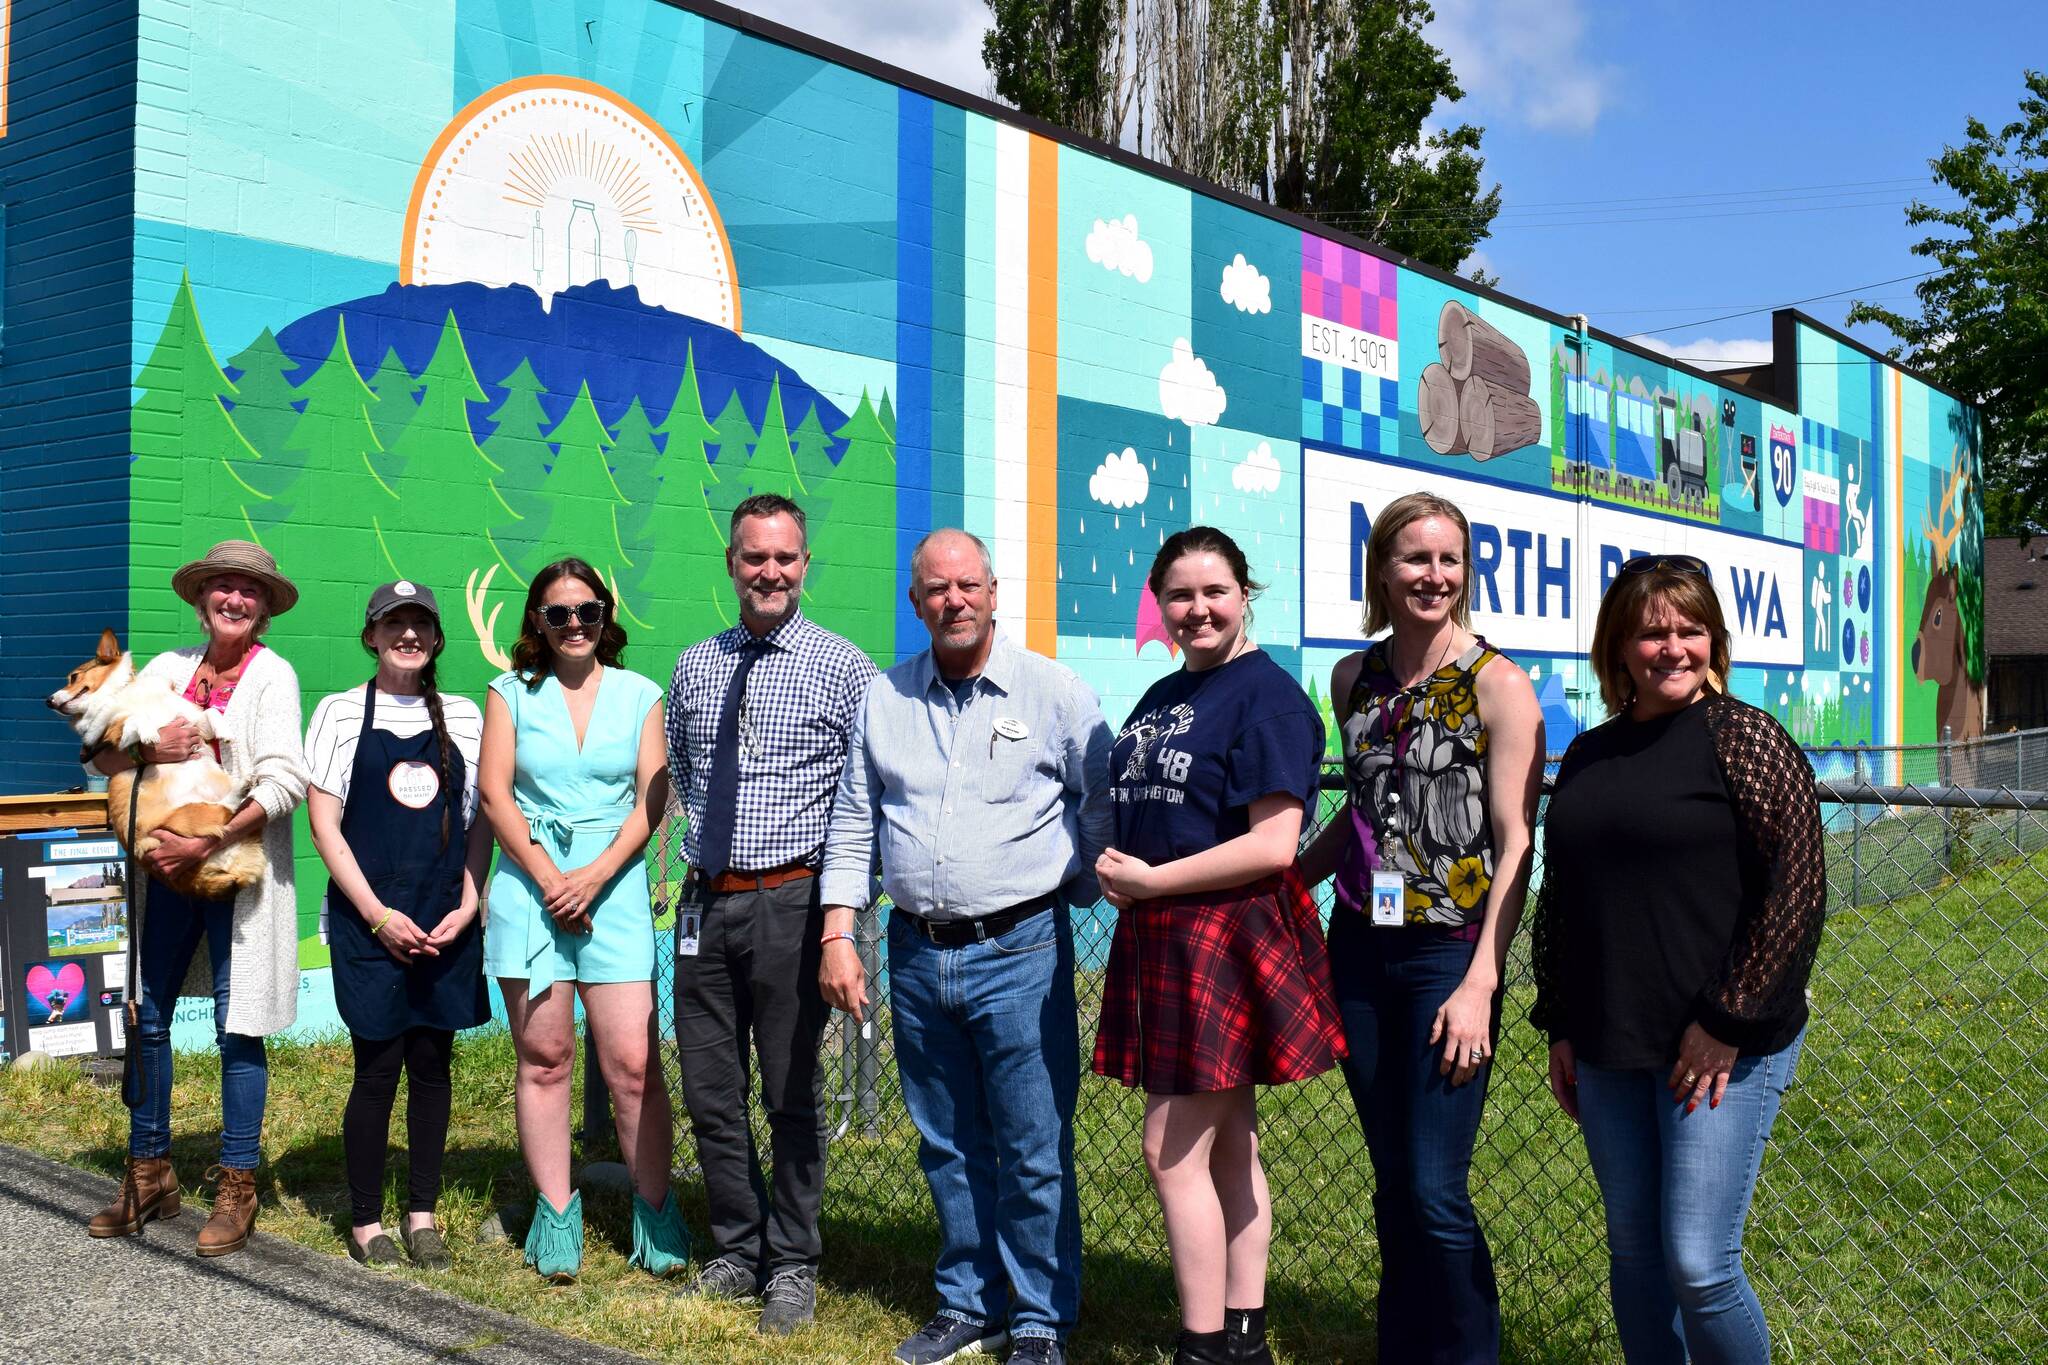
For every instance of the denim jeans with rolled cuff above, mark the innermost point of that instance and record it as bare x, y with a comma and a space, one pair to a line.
173, 925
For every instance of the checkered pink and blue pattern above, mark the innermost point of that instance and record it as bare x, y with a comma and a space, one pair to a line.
1341, 407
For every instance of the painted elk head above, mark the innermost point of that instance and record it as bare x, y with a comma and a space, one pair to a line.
1940, 649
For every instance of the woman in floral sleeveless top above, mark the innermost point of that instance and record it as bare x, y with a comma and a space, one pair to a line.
1443, 745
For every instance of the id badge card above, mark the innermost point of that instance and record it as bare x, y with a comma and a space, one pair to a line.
1388, 894
689, 919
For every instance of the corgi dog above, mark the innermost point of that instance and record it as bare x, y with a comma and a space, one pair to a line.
107, 703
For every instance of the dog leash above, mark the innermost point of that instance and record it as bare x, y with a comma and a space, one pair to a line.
138, 902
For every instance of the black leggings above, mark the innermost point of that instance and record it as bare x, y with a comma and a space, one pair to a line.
366, 1122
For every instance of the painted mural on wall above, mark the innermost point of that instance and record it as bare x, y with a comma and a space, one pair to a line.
640, 265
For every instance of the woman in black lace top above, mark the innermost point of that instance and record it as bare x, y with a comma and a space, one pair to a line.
1683, 893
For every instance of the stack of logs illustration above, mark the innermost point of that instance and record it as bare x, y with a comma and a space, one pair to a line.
1477, 400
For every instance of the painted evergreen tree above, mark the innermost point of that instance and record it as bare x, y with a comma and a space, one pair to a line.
634, 454
772, 466
587, 503
886, 415
452, 484
397, 395
733, 436
813, 449
851, 587
340, 539
263, 408
684, 594
195, 476
518, 446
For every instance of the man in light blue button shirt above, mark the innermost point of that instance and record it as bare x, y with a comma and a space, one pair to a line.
980, 771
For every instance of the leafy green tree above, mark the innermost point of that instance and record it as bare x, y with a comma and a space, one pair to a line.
1983, 323
851, 586
587, 503
191, 461
1317, 106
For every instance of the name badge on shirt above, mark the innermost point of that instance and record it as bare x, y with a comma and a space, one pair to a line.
1388, 894
414, 785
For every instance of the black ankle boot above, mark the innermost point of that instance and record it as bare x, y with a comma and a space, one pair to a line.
1202, 1348
1246, 1328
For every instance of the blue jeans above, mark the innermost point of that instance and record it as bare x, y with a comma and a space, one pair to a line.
170, 935
1438, 1303
1677, 1190
988, 1044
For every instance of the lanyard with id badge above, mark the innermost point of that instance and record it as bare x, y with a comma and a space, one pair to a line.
1389, 887
690, 916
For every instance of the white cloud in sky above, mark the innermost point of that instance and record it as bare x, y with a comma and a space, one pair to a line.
1531, 59
1120, 480
1188, 392
1244, 288
1711, 352
1257, 472
938, 39
1116, 245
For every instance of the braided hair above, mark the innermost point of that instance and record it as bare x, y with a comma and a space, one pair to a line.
444, 748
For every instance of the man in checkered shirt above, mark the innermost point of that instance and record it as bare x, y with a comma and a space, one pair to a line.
758, 723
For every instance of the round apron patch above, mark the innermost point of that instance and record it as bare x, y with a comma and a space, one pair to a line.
414, 785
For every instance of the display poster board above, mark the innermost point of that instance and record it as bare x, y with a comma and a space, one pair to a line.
64, 935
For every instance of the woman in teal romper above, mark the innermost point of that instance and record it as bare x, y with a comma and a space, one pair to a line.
572, 753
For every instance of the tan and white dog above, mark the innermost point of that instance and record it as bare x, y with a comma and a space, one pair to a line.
107, 703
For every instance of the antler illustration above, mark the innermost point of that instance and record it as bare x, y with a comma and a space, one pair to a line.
1945, 536
474, 595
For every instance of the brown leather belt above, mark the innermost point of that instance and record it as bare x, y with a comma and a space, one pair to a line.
731, 883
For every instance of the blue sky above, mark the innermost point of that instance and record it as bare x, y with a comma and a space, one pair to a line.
1743, 155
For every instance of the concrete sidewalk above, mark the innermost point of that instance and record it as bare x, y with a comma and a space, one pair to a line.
66, 1296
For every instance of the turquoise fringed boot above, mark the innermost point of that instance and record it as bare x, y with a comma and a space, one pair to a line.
554, 1244
661, 1244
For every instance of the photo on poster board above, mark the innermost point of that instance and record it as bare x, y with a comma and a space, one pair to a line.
87, 906
56, 994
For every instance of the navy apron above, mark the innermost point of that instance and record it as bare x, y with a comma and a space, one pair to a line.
392, 824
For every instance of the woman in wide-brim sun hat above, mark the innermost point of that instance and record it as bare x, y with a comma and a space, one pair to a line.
251, 964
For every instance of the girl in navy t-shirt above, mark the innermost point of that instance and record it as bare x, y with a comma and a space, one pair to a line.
1217, 976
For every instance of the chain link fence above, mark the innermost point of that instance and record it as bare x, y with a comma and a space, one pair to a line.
1900, 1214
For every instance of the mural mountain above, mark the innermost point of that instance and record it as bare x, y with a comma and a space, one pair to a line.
462, 436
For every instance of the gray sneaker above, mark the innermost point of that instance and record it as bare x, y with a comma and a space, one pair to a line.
722, 1279
947, 1338
790, 1301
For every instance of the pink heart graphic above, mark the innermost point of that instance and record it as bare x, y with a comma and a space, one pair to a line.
70, 979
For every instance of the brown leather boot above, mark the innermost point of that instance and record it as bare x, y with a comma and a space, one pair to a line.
149, 1190
234, 1212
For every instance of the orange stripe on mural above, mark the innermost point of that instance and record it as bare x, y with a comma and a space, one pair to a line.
1902, 651
1042, 404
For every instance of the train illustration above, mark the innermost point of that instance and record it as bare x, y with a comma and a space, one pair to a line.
1636, 441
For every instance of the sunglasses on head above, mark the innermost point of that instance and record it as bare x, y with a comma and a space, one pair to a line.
1675, 563
557, 616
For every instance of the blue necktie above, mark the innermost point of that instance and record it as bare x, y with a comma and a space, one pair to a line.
722, 799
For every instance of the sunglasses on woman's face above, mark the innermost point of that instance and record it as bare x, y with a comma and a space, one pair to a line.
557, 617
1675, 563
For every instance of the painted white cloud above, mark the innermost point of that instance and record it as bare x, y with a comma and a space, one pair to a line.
1257, 472
1188, 392
1710, 352
1120, 480
1532, 59
1116, 245
1245, 289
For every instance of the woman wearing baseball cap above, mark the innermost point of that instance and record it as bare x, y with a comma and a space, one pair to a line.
393, 809
252, 940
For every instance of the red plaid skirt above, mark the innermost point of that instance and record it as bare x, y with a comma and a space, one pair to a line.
1221, 990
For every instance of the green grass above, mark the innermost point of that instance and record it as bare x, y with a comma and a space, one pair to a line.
1899, 1217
